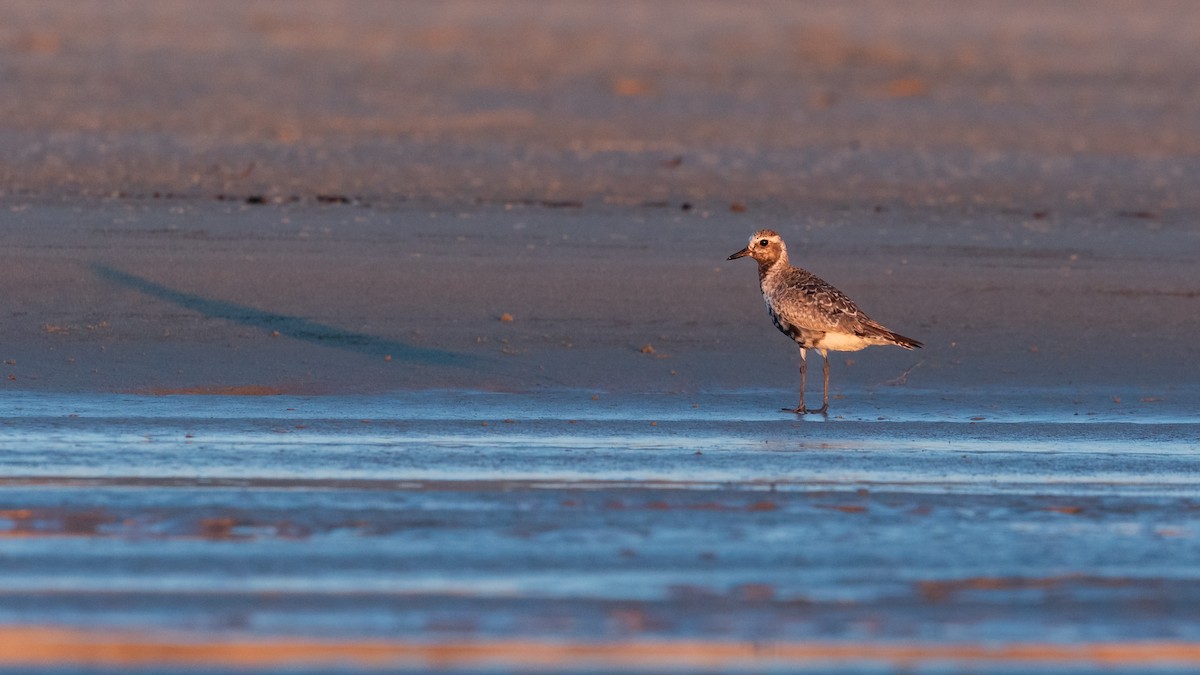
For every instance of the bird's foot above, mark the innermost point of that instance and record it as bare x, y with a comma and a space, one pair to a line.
801, 410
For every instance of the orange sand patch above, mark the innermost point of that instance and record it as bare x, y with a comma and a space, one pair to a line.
42, 645
941, 590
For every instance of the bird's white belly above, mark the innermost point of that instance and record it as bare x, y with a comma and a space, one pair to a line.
844, 342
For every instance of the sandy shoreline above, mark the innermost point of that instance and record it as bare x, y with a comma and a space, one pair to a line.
129, 296
939, 102
1015, 190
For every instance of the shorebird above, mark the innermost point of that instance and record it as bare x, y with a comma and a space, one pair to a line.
810, 311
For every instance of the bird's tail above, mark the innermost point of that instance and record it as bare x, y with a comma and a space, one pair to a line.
906, 342
894, 338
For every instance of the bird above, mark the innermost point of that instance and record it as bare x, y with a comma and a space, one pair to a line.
810, 311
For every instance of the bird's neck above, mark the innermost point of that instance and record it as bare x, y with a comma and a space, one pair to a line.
768, 267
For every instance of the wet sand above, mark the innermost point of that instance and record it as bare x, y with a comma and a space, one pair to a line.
402, 335
554, 531
567, 531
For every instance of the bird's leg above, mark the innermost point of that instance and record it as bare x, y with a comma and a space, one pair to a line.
800, 409
803, 377
825, 397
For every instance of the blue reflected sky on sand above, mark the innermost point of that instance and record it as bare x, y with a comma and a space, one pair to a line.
722, 438
460, 515
883, 404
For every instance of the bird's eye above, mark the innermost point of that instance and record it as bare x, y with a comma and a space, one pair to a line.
763, 242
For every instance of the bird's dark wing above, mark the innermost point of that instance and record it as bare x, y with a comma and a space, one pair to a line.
803, 299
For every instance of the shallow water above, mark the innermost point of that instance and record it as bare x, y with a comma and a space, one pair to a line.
565, 515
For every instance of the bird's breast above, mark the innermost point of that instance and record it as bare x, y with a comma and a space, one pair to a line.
804, 337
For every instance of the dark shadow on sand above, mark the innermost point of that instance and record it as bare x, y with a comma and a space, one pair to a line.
290, 326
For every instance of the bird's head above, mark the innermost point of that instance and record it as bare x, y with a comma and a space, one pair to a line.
766, 246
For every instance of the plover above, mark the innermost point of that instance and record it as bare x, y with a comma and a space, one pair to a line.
807, 309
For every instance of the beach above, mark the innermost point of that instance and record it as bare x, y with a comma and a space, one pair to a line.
402, 336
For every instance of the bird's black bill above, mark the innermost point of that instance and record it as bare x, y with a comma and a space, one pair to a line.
740, 254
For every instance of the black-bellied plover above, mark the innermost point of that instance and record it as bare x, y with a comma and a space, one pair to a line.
807, 309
